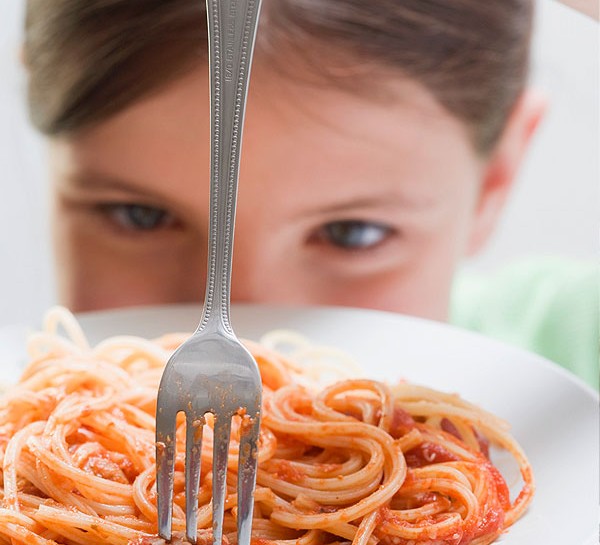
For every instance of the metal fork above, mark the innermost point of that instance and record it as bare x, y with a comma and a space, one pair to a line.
212, 371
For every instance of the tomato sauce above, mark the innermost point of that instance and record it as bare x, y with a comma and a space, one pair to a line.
429, 453
402, 423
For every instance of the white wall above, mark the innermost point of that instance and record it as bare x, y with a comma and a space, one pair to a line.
25, 270
554, 209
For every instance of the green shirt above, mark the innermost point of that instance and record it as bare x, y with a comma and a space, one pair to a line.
548, 306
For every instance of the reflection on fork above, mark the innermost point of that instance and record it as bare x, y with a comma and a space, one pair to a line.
216, 374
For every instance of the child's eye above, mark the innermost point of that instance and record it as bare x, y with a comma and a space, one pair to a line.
138, 217
354, 234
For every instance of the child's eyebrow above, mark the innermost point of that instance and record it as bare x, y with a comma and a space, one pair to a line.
95, 180
382, 200
87, 180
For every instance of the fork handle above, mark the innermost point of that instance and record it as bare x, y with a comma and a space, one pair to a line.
231, 36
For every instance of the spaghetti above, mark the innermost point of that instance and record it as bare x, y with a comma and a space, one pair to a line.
356, 462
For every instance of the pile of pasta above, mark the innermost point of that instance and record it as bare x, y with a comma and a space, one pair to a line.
356, 462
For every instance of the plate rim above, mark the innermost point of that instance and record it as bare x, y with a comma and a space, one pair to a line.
530, 356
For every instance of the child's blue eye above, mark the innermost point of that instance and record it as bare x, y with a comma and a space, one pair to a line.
354, 234
138, 217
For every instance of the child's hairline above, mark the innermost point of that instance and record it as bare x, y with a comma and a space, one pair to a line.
90, 99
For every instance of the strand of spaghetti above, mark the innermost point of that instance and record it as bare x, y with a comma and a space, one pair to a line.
365, 529
136, 443
52, 488
312, 537
28, 472
100, 528
276, 371
76, 406
432, 408
446, 526
141, 494
20, 533
113, 491
153, 355
449, 443
385, 404
412, 439
338, 481
41, 344
464, 429
451, 471
438, 505
341, 495
263, 529
392, 481
9, 516
314, 470
347, 531
103, 374
310, 360
11, 458
405, 393
58, 316
135, 523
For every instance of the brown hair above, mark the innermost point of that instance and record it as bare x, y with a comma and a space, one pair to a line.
89, 59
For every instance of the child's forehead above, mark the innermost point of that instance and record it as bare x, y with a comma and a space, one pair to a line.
314, 94
310, 140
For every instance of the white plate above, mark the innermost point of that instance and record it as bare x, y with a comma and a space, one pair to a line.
553, 415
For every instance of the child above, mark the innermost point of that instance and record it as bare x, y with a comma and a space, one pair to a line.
381, 141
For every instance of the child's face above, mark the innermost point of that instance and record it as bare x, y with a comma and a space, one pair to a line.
343, 200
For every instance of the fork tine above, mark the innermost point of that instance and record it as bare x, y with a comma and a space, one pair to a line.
220, 454
165, 469
193, 456
248, 461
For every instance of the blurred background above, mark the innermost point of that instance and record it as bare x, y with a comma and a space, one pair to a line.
553, 211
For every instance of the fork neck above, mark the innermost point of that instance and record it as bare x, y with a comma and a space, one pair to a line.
231, 36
